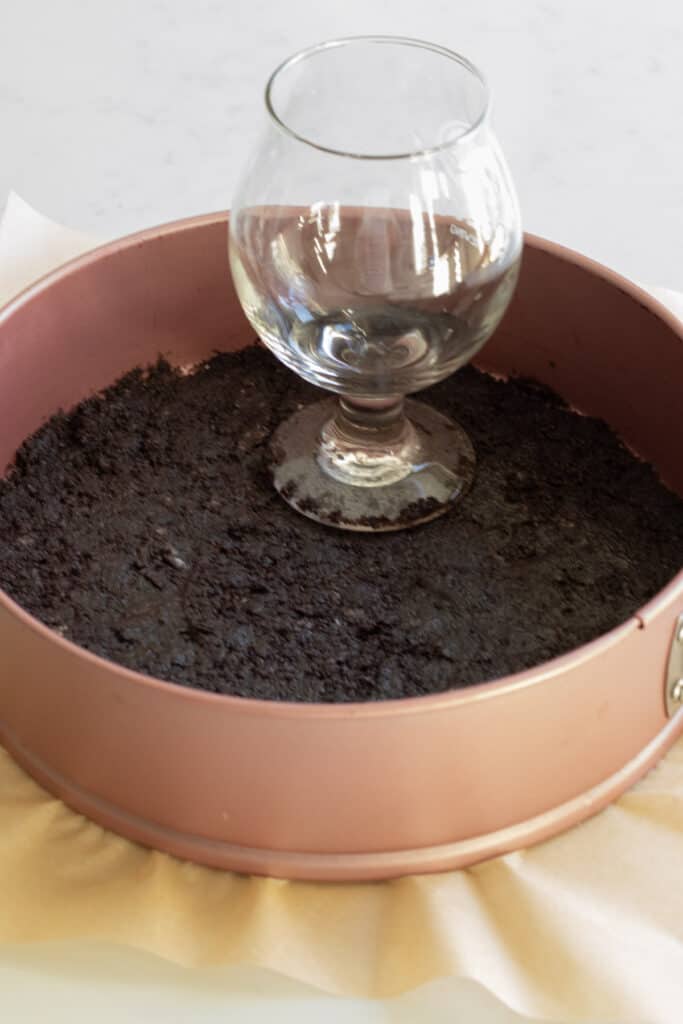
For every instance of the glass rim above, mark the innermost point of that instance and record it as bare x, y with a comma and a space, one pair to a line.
311, 51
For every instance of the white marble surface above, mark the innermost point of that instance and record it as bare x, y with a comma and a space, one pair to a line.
119, 115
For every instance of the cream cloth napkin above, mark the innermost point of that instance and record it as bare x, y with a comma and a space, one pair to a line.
585, 927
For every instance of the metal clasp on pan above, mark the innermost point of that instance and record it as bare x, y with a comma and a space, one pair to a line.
674, 675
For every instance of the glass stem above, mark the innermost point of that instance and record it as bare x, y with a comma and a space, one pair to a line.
369, 442
378, 420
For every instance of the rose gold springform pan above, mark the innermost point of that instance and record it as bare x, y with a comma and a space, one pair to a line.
350, 791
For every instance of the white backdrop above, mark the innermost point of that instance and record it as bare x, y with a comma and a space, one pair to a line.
120, 115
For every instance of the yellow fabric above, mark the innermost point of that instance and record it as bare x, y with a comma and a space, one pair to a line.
586, 926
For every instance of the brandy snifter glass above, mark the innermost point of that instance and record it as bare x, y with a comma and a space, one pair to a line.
374, 243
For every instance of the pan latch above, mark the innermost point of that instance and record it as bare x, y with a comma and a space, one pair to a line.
674, 676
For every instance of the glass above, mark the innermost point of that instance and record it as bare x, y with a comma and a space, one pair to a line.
374, 243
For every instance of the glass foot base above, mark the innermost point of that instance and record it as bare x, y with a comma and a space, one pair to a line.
426, 474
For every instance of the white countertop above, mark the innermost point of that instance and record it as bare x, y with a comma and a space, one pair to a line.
120, 115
